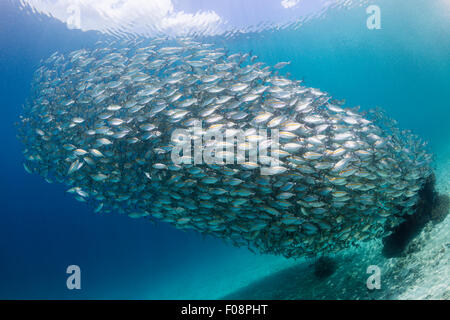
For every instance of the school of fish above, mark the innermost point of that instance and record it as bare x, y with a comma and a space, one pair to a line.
101, 120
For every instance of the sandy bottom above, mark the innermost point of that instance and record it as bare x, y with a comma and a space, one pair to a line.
236, 269
424, 273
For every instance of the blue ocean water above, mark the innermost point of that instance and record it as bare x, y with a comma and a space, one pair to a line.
404, 67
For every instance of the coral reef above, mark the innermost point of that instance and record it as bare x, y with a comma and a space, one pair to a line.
324, 267
431, 206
